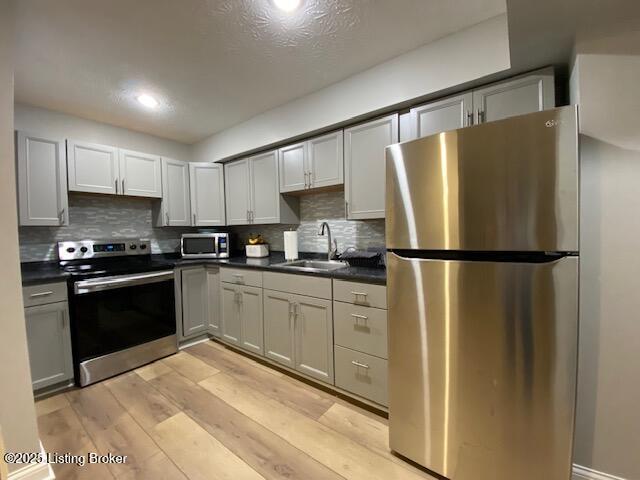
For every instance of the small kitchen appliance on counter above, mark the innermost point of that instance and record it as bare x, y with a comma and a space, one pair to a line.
205, 245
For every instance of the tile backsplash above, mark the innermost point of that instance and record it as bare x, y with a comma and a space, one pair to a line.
100, 217
316, 208
105, 217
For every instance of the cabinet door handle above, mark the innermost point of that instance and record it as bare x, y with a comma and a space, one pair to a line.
359, 317
123, 186
346, 210
360, 365
167, 215
469, 118
116, 186
480, 116
194, 220
40, 294
61, 216
253, 216
310, 181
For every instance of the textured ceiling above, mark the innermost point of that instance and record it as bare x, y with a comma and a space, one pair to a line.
211, 63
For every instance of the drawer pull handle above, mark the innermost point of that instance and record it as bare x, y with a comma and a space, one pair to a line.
41, 294
359, 317
238, 277
359, 294
358, 364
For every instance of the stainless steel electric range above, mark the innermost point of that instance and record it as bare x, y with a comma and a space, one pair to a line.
122, 306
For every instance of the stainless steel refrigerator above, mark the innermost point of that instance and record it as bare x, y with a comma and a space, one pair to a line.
482, 261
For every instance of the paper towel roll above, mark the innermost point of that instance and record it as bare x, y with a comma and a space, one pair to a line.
291, 245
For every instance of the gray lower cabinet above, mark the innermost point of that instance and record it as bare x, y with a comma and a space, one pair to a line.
242, 316
298, 332
195, 303
362, 374
49, 342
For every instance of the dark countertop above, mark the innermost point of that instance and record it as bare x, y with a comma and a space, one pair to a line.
44, 272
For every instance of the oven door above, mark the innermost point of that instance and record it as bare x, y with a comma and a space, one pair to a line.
122, 322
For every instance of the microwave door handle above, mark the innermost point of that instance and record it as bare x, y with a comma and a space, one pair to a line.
216, 245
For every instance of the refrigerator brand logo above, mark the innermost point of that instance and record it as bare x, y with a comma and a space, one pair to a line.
552, 123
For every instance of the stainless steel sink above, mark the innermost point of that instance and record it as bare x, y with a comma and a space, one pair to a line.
313, 265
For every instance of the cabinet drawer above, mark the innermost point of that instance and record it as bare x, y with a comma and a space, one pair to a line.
241, 276
362, 374
358, 293
46, 293
361, 328
307, 285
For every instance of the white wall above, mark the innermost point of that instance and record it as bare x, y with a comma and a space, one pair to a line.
604, 83
454, 60
43, 121
17, 412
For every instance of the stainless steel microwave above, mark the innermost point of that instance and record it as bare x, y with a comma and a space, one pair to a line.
205, 245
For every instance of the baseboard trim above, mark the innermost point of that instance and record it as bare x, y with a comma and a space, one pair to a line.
34, 471
584, 473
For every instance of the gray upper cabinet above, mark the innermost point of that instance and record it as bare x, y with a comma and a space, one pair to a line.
316, 163
42, 180
93, 168
207, 194
195, 304
237, 194
278, 327
253, 194
265, 195
213, 286
140, 174
293, 167
314, 337
448, 114
326, 160
526, 94
364, 154
49, 342
175, 208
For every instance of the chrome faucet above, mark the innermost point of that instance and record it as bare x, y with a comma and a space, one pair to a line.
332, 251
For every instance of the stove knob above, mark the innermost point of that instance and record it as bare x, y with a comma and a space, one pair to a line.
133, 246
84, 249
143, 246
71, 249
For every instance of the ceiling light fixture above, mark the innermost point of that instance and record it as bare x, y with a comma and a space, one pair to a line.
147, 100
287, 5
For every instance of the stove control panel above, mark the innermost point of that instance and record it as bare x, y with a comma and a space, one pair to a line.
103, 248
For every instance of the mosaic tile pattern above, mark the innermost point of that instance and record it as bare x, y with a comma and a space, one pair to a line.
314, 209
105, 217
100, 217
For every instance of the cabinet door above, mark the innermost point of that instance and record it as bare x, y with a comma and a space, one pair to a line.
207, 194
265, 191
251, 319
49, 344
326, 160
292, 161
93, 168
527, 94
42, 181
278, 327
448, 114
230, 310
213, 313
314, 337
237, 196
365, 166
140, 174
194, 301
176, 207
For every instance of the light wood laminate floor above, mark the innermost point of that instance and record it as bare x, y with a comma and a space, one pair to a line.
211, 413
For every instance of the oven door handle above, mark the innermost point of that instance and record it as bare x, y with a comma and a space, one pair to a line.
121, 281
